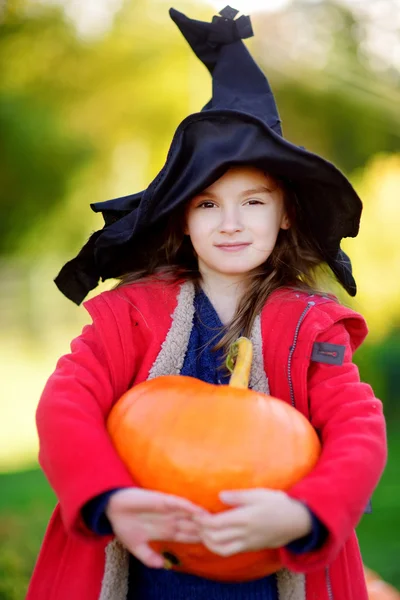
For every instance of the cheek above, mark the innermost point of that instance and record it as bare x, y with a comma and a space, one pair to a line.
197, 226
265, 226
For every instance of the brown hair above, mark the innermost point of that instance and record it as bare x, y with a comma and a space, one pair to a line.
294, 262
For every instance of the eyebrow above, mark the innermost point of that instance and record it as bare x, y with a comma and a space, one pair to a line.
261, 189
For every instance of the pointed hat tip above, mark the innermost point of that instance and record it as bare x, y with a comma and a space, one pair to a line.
222, 30
177, 16
175, 13
228, 13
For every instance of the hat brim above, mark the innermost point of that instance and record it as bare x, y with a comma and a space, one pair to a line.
206, 144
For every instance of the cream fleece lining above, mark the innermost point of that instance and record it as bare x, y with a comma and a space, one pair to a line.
291, 586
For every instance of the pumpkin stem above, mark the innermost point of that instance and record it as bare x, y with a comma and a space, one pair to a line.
238, 362
170, 560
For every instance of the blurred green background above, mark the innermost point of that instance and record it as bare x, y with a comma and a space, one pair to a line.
90, 95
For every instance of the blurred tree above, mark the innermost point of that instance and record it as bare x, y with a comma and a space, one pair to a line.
335, 123
379, 366
38, 151
330, 98
85, 119
376, 250
38, 158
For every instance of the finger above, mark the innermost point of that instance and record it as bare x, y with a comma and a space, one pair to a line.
142, 503
187, 526
187, 538
165, 527
225, 536
168, 527
160, 518
187, 532
162, 530
147, 556
237, 517
225, 549
139, 500
175, 502
176, 533
240, 497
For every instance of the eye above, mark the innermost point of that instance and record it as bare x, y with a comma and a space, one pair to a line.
253, 201
206, 204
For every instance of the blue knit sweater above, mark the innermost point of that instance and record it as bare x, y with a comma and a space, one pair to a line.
158, 584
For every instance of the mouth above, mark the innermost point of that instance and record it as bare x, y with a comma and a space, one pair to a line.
233, 247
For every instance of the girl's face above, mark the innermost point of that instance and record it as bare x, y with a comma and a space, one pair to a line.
234, 223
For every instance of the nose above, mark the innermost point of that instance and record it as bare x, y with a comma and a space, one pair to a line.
231, 221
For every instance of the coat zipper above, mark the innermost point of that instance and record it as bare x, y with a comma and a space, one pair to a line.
293, 402
328, 583
293, 348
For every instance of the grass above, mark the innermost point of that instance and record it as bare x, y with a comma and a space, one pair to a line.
26, 502
379, 533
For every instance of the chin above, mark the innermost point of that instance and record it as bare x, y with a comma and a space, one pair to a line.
235, 271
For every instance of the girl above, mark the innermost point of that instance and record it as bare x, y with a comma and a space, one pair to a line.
224, 242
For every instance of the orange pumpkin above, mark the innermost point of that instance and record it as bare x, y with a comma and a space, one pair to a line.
182, 436
379, 589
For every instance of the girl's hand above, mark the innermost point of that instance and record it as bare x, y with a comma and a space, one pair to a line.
262, 518
139, 516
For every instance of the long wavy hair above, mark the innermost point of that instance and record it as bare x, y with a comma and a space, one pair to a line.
296, 262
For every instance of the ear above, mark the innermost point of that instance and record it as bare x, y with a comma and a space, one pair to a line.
285, 222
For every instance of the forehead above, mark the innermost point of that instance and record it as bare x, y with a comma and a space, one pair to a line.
242, 178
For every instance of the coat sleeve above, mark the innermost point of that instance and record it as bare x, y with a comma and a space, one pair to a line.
76, 452
350, 422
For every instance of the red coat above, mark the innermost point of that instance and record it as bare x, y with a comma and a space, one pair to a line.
119, 349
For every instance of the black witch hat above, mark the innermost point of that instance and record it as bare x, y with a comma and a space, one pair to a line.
240, 125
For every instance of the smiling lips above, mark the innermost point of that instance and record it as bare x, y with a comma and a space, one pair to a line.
233, 247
